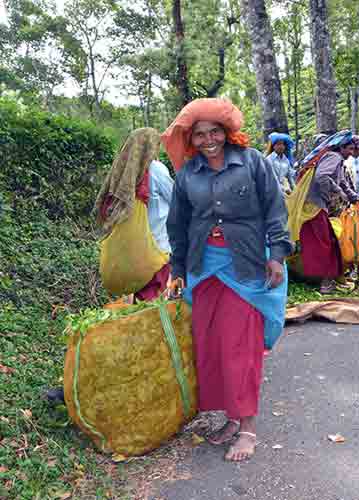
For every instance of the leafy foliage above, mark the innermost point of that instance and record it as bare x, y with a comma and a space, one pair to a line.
50, 162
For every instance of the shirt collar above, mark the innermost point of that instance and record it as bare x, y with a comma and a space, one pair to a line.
276, 155
231, 158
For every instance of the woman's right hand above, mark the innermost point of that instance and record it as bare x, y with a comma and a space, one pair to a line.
176, 287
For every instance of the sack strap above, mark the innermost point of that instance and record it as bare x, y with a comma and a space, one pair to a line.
176, 356
75, 392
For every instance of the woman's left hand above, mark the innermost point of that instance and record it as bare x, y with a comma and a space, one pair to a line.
275, 273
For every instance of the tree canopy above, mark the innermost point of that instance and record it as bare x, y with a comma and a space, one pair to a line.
146, 59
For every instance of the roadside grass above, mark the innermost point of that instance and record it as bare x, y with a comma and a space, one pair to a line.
299, 293
47, 270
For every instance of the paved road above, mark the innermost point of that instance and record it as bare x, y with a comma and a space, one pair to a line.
311, 390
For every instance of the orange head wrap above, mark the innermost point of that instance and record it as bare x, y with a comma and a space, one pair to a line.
177, 138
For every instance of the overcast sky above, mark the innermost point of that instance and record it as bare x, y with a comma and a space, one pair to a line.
2, 12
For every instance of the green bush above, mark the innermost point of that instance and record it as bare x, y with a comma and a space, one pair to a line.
50, 162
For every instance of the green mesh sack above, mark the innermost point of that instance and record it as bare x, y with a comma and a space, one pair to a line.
129, 376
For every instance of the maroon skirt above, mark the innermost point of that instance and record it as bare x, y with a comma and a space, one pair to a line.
320, 249
229, 345
156, 286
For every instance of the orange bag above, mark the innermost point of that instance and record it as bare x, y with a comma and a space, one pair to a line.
349, 240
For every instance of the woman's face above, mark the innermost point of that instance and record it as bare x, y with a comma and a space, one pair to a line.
208, 138
279, 147
347, 150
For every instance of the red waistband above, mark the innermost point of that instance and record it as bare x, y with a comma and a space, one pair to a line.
216, 238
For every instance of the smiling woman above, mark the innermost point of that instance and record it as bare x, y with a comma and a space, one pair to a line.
209, 139
226, 204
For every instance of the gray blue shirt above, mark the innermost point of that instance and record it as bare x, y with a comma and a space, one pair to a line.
282, 169
244, 198
161, 185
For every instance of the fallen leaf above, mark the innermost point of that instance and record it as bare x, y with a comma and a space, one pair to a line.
21, 476
3, 469
336, 438
4, 419
79, 481
277, 447
52, 462
335, 334
6, 370
119, 458
55, 309
277, 413
65, 495
196, 439
27, 413
61, 495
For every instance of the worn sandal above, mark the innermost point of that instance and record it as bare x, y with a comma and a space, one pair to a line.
212, 438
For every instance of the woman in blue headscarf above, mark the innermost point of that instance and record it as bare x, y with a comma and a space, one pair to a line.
280, 157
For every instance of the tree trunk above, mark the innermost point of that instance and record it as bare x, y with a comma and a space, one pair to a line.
148, 100
296, 43
354, 98
212, 91
143, 110
287, 74
326, 112
182, 72
296, 107
267, 74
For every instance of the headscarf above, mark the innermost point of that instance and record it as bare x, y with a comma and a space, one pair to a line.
177, 138
275, 137
116, 198
319, 138
338, 139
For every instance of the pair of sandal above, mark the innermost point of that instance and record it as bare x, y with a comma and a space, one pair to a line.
242, 449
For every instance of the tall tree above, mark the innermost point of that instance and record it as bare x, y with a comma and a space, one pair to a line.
288, 33
200, 59
343, 19
267, 74
29, 60
326, 110
182, 71
87, 43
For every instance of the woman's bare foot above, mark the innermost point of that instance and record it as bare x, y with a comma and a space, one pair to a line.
244, 446
224, 434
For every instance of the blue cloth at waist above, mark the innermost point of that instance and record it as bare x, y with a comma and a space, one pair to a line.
271, 302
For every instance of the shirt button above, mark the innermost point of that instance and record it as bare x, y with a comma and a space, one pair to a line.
220, 221
218, 202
